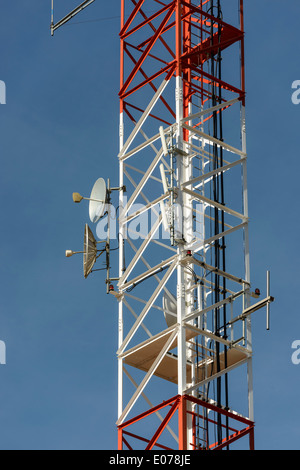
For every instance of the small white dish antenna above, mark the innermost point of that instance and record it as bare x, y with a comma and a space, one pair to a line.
98, 200
170, 308
89, 251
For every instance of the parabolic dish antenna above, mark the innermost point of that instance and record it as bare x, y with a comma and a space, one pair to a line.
89, 251
170, 309
98, 200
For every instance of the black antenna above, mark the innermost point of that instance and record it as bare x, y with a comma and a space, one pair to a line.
68, 17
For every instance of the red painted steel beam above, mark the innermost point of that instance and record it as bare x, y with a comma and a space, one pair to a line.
201, 53
224, 85
120, 439
151, 84
145, 22
127, 444
182, 424
131, 17
165, 30
221, 411
122, 53
148, 412
169, 68
154, 30
179, 403
210, 420
146, 51
231, 439
178, 37
143, 439
150, 115
198, 10
163, 425
242, 50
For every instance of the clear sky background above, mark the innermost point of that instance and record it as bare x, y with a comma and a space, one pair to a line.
58, 134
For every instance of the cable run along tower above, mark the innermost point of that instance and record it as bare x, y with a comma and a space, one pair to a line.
182, 267
184, 292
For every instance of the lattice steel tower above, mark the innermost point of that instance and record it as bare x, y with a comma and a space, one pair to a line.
183, 287
184, 290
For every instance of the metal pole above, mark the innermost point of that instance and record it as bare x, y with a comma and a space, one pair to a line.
52, 17
121, 226
247, 265
268, 304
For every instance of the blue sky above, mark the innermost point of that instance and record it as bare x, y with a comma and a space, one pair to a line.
58, 134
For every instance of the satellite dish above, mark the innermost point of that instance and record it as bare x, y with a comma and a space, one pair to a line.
170, 308
89, 251
98, 200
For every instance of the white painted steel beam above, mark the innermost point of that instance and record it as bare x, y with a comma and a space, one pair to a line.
223, 105
131, 167
218, 271
147, 377
136, 316
148, 306
218, 142
218, 171
140, 251
199, 245
209, 334
148, 273
219, 304
189, 390
212, 203
151, 405
141, 184
145, 208
143, 118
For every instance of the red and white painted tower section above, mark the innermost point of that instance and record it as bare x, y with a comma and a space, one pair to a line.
184, 292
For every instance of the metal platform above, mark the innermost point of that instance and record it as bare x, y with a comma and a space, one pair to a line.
144, 354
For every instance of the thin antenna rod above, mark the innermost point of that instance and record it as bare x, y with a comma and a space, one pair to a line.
268, 304
52, 17
67, 18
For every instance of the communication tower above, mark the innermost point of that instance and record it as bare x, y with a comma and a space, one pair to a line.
183, 287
